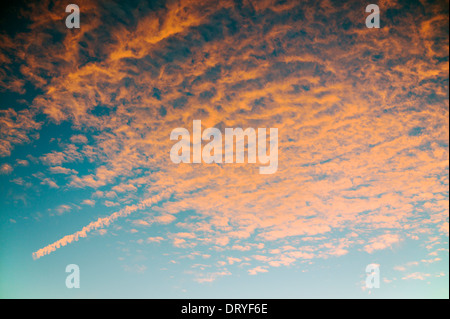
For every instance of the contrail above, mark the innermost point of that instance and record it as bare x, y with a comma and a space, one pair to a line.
99, 223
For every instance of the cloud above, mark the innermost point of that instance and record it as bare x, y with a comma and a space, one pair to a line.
256, 270
164, 219
99, 223
417, 276
179, 242
16, 127
155, 239
6, 169
62, 170
63, 209
139, 269
78, 139
108, 203
210, 277
241, 248
232, 260
444, 228
382, 242
70, 154
141, 222
89, 202
50, 182
22, 162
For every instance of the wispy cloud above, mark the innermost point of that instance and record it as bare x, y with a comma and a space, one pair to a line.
99, 223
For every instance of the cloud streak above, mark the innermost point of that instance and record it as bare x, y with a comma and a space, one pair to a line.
99, 223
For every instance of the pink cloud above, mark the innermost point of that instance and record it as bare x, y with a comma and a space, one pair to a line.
164, 219
382, 242
155, 239
256, 270
6, 169
89, 202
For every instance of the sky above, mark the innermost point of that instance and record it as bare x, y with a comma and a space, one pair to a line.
86, 176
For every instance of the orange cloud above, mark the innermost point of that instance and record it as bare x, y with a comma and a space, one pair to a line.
363, 122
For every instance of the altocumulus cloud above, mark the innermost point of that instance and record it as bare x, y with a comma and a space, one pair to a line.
362, 121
